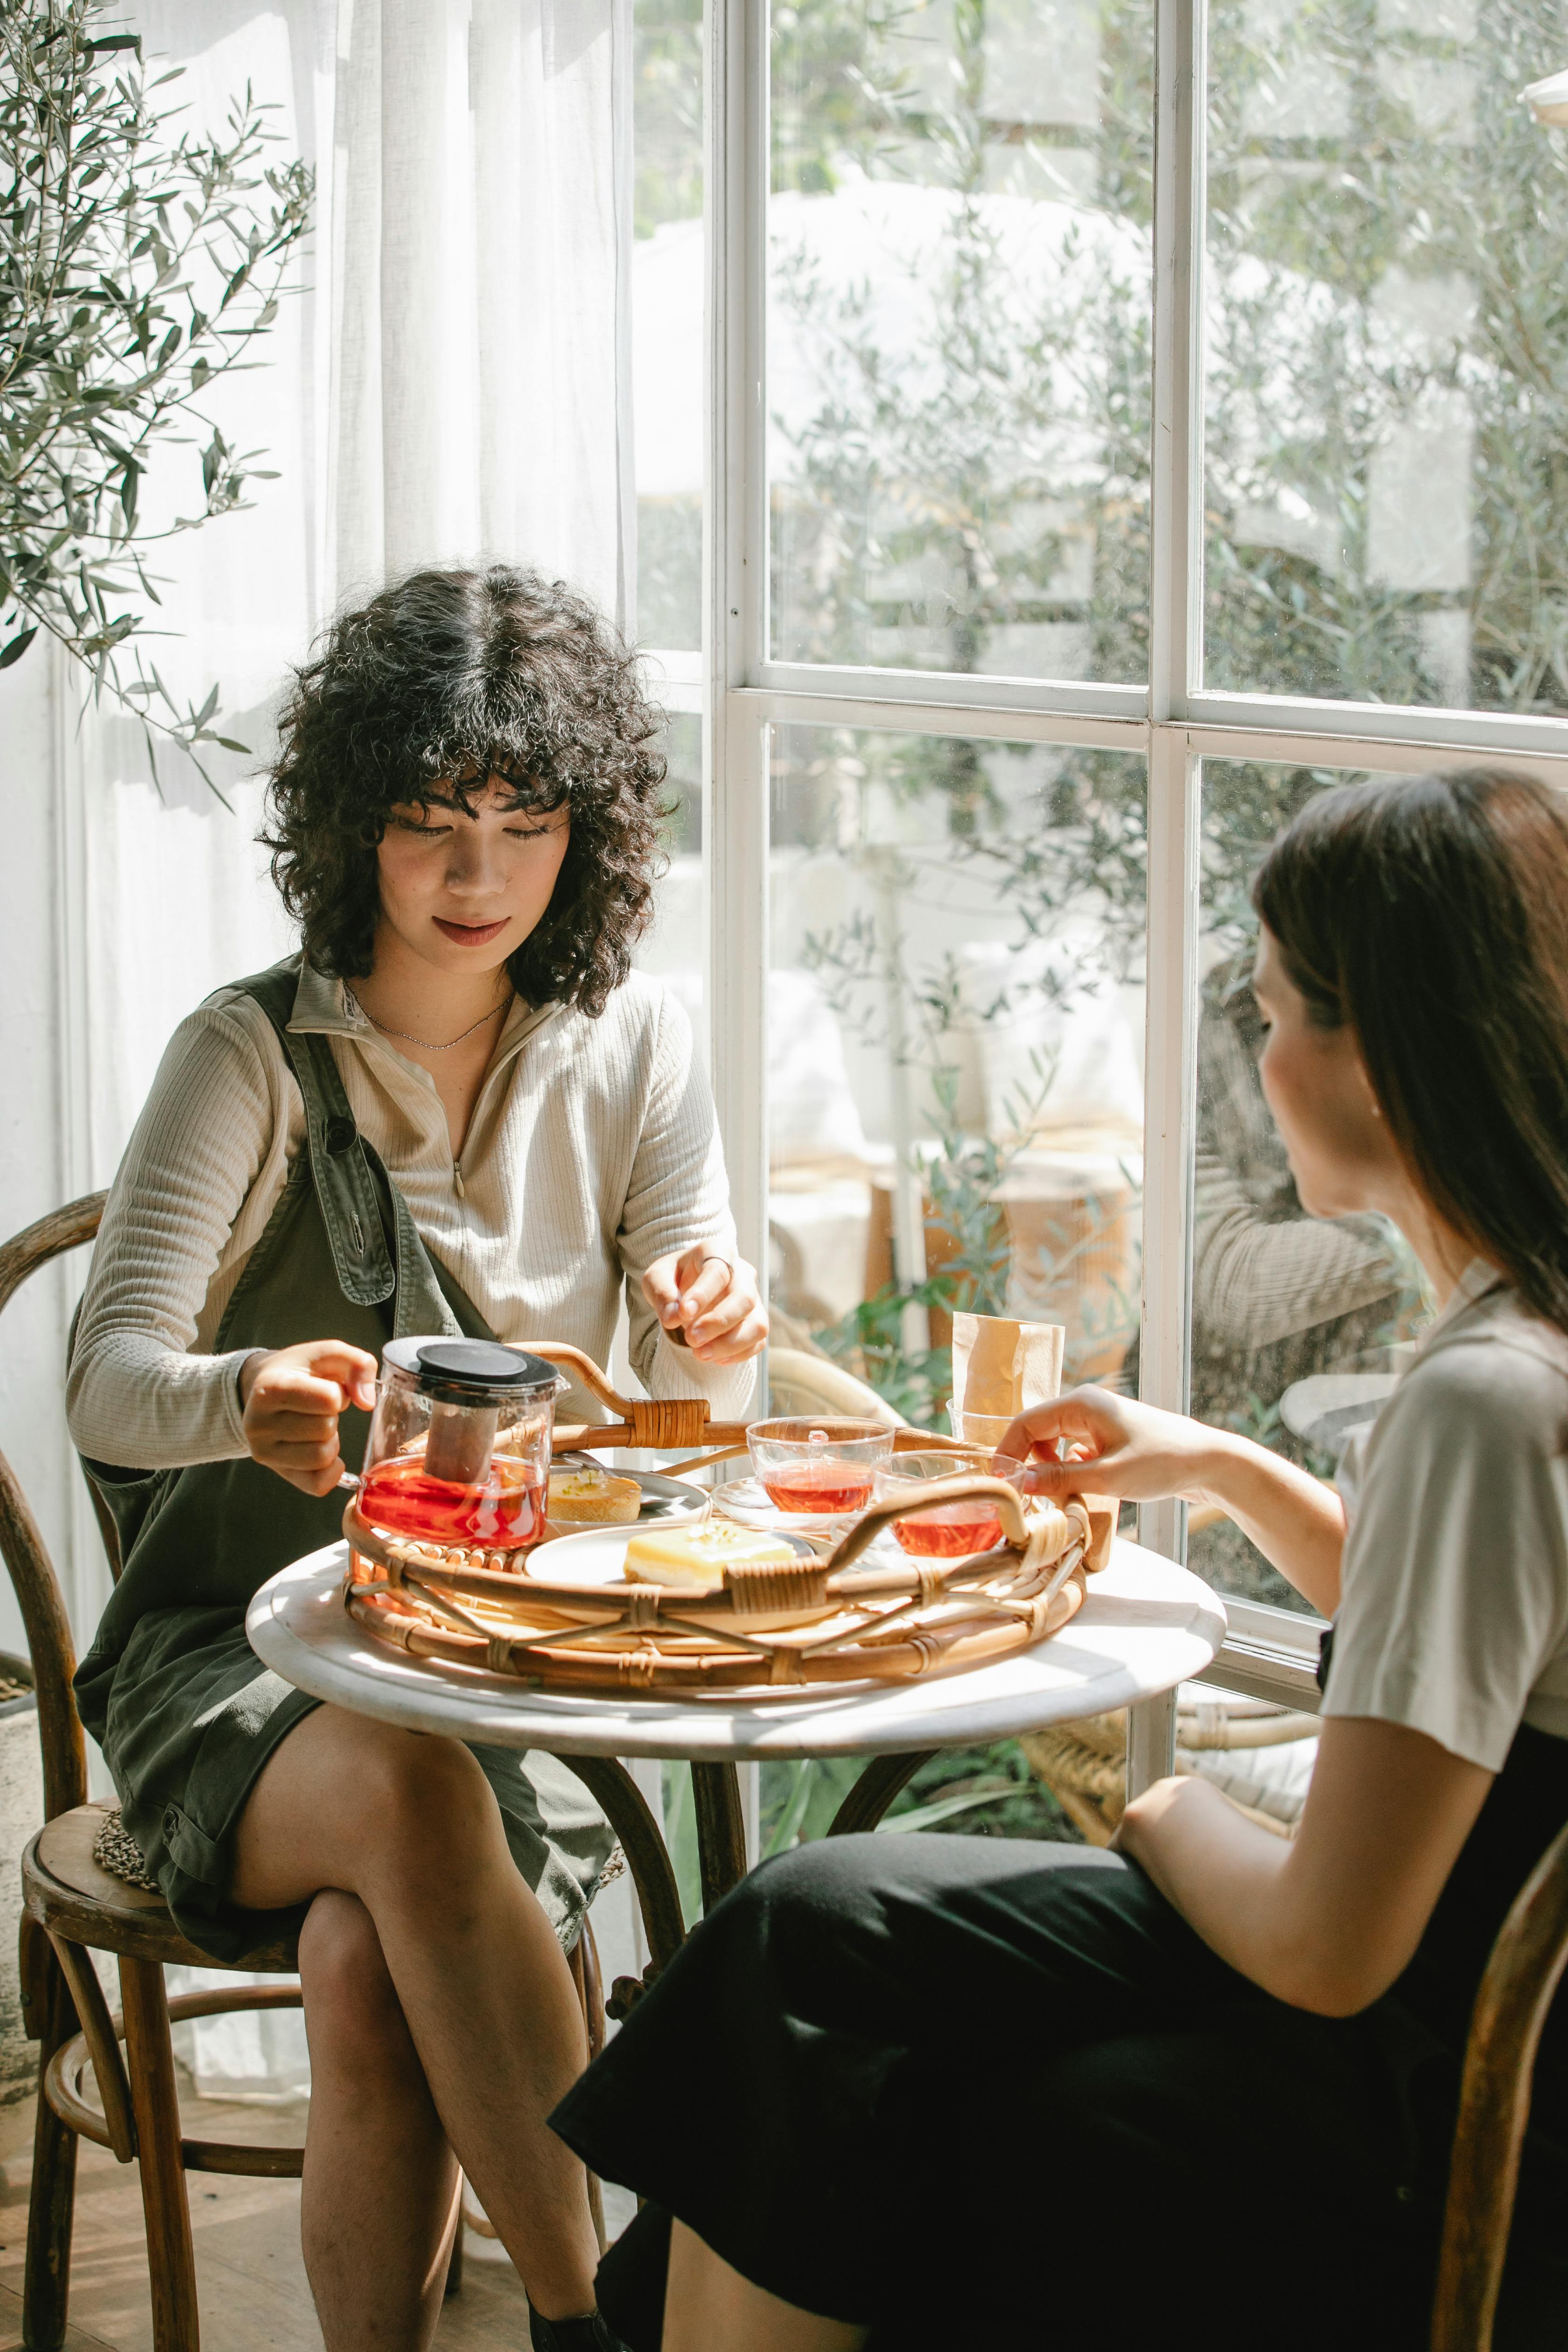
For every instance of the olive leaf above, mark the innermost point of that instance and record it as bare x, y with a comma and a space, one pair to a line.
108, 221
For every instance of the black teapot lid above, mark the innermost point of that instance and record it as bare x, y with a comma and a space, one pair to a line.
459, 1371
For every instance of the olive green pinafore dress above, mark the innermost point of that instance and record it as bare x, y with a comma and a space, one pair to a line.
184, 1711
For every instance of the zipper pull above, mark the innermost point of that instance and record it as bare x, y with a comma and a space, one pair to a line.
457, 1180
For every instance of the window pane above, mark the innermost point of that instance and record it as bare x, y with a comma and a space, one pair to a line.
1386, 407
956, 1031
959, 335
673, 947
667, 342
1298, 1322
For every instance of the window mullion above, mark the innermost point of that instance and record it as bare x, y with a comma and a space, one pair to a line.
1170, 1103
1175, 591
734, 762
1170, 1092
1176, 502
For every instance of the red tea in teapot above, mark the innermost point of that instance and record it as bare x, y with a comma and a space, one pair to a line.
504, 1512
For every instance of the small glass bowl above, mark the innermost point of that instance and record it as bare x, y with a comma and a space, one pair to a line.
821, 1468
950, 1531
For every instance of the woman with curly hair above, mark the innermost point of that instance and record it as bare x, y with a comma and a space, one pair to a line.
458, 1108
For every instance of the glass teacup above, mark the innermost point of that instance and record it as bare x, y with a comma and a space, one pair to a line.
820, 1468
948, 1530
985, 1430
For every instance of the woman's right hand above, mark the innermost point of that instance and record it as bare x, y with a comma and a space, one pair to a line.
1093, 1442
291, 1399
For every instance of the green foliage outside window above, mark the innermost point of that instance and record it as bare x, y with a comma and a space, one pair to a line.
1387, 232
1434, 197
138, 270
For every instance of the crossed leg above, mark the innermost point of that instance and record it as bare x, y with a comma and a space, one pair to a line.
442, 2020
378, 2203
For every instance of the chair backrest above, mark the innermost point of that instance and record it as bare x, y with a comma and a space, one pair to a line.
800, 1381
1516, 1992
38, 1588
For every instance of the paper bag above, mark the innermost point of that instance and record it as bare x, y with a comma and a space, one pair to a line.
1001, 1367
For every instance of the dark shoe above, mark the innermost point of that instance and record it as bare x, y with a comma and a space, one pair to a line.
589, 2333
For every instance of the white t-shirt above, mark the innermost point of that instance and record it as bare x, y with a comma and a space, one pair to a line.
1454, 1613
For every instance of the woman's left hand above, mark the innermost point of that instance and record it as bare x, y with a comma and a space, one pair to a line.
710, 1302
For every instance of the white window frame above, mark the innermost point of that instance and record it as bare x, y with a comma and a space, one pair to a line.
1173, 723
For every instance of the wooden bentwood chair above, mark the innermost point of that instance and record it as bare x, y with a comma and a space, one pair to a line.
75, 1906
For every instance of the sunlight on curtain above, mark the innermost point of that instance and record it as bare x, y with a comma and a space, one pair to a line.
451, 380
480, 341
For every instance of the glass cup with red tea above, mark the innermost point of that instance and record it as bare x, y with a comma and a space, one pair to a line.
952, 1530
459, 1450
819, 1468
980, 1431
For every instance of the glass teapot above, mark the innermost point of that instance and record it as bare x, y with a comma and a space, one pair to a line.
459, 1444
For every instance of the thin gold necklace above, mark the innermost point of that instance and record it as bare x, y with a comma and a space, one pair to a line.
428, 1045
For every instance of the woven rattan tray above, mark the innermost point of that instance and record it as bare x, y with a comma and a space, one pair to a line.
813, 1622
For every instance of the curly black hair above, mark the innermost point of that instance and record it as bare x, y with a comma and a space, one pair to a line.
443, 680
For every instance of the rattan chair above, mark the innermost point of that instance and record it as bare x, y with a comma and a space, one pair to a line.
801, 1380
74, 1906
1523, 1974
1084, 1764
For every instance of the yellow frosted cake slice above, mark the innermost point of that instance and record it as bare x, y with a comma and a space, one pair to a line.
701, 1555
593, 1496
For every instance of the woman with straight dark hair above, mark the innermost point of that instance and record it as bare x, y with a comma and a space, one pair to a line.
940, 2091
457, 1110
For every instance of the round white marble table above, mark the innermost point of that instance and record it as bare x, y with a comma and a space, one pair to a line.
1145, 1625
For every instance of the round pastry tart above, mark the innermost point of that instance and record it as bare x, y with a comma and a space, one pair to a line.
592, 1496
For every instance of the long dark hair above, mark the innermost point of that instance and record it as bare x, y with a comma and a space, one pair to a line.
445, 679
1430, 915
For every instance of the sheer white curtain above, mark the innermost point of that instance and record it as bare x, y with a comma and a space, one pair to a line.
451, 381
480, 254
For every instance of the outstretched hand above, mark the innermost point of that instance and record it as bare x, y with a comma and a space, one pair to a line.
710, 1302
1095, 1443
1092, 1441
293, 1398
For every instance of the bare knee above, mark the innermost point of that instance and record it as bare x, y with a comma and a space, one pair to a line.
425, 1804
351, 2003
342, 1963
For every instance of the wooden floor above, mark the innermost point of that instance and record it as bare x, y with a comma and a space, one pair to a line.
251, 2279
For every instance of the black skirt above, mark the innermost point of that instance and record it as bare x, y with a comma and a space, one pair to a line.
971, 2091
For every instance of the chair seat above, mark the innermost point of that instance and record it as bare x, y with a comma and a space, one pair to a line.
70, 1893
